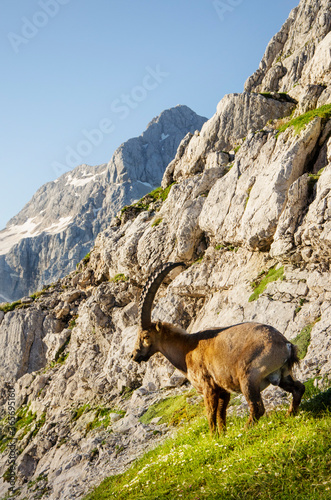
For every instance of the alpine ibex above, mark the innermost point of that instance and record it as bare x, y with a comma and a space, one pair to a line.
242, 358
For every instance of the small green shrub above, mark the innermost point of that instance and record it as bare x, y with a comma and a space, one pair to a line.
119, 277
160, 193
24, 418
10, 307
76, 414
86, 259
102, 417
248, 195
302, 340
145, 202
157, 222
126, 392
36, 295
60, 357
39, 424
261, 283
301, 121
312, 181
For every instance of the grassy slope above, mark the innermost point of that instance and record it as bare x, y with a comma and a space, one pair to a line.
280, 458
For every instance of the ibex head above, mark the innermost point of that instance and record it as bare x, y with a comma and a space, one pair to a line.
146, 344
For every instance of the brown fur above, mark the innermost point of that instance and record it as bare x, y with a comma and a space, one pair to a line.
242, 358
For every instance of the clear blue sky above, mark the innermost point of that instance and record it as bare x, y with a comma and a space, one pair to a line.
70, 67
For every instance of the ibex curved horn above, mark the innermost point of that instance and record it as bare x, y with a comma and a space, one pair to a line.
149, 291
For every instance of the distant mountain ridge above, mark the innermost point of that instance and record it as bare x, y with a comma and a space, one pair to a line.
58, 226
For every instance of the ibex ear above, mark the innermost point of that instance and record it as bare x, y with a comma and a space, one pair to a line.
158, 326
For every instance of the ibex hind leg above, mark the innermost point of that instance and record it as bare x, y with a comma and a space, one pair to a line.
210, 396
216, 402
252, 393
223, 401
294, 387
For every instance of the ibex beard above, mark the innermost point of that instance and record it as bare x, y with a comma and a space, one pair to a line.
243, 358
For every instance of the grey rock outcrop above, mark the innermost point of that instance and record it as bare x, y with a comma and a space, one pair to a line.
236, 116
244, 208
58, 227
298, 59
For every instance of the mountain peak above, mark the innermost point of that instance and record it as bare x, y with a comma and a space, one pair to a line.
64, 216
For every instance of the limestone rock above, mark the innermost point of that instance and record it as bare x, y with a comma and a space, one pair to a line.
244, 207
236, 116
21, 343
288, 59
315, 231
283, 240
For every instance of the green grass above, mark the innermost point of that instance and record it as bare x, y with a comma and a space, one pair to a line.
61, 356
248, 195
312, 181
229, 248
198, 261
72, 323
24, 418
86, 259
76, 414
280, 458
10, 307
119, 277
315, 177
302, 340
263, 279
26, 423
102, 418
173, 410
158, 194
301, 121
38, 294
157, 222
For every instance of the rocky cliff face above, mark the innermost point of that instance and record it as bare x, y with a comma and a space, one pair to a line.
297, 59
58, 227
248, 208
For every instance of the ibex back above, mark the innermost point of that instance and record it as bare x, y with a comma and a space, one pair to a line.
242, 358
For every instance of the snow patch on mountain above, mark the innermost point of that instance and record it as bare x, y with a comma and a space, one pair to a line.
13, 234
